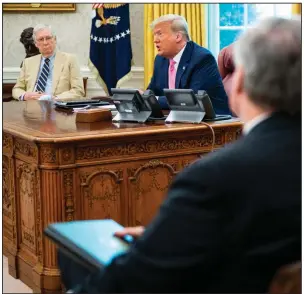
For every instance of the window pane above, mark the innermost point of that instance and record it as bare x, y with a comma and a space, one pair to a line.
264, 10
283, 10
228, 36
252, 13
231, 14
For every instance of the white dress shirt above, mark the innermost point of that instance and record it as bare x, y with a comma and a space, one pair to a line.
254, 122
178, 57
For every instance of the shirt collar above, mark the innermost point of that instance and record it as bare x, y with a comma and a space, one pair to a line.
51, 58
254, 122
178, 56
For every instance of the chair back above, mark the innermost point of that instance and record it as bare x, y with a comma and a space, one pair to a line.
226, 67
287, 280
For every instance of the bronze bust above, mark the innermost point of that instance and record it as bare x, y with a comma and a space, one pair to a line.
26, 38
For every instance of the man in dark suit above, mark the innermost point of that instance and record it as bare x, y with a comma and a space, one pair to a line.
232, 218
190, 65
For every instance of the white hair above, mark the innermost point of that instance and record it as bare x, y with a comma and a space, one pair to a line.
40, 27
270, 55
178, 24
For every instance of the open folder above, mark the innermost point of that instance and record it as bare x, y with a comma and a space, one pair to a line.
90, 242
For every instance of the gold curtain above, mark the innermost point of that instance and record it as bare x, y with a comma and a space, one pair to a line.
296, 8
193, 13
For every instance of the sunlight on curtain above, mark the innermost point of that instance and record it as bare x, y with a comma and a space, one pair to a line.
296, 8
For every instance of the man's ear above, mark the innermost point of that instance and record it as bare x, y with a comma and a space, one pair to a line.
179, 37
238, 79
236, 90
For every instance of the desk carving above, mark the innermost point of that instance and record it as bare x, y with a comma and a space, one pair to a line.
88, 171
68, 188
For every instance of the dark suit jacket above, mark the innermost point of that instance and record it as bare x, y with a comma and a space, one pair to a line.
197, 70
229, 222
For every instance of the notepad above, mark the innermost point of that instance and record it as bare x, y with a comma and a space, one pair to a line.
93, 241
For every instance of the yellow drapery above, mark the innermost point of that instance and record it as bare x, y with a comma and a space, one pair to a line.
193, 13
296, 8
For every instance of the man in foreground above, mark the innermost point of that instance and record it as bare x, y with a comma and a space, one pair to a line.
232, 218
49, 75
182, 64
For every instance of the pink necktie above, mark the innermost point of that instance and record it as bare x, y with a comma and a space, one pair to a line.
171, 74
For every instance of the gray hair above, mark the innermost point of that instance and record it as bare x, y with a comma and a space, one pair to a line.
178, 24
40, 27
270, 54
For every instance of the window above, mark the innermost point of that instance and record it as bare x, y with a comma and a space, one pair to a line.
227, 21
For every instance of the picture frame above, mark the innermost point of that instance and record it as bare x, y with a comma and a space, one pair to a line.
39, 7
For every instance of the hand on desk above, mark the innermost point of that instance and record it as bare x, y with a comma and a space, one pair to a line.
132, 231
32, 95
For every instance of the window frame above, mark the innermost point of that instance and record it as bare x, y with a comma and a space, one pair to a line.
214, 27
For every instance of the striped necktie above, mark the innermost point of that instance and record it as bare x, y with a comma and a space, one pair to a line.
43, 76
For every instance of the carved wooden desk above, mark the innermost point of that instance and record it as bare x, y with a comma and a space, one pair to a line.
57, 170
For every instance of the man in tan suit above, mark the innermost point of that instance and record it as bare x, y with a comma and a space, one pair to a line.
49, 75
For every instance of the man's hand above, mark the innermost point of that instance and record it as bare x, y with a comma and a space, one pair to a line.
32, 95
133, 231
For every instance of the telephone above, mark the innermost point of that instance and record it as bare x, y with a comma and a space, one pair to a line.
152, 104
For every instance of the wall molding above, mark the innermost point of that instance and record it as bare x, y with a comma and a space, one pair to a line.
10, 75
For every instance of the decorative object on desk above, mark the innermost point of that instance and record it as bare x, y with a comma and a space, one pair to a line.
39, 7
93, 115
110, 49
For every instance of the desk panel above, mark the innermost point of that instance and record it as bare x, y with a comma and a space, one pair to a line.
55, 169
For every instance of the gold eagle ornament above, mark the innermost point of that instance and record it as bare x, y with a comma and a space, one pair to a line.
112, 20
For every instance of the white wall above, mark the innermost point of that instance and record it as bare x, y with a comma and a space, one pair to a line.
73, 31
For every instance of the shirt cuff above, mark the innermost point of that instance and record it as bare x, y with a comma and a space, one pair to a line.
45, 97
21, 98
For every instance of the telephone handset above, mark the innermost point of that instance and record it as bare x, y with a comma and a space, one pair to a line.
152, 103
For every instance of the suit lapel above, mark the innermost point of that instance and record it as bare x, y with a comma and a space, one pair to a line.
34, 68
58, 64
183, 63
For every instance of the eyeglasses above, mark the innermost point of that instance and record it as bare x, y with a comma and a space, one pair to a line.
47, 38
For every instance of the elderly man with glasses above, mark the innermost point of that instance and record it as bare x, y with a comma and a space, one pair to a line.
49, 75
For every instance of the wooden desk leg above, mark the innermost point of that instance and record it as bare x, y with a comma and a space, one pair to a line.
9, 206
46, 275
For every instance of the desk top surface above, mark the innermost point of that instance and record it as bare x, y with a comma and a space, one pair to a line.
39, 121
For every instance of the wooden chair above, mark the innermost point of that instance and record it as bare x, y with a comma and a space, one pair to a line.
7, 92
287, 280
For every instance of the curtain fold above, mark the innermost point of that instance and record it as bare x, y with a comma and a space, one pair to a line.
194, 15
296, 8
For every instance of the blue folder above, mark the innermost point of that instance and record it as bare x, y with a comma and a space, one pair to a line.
91, 242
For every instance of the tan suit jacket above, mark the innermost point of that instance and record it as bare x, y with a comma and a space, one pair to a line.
67, 82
